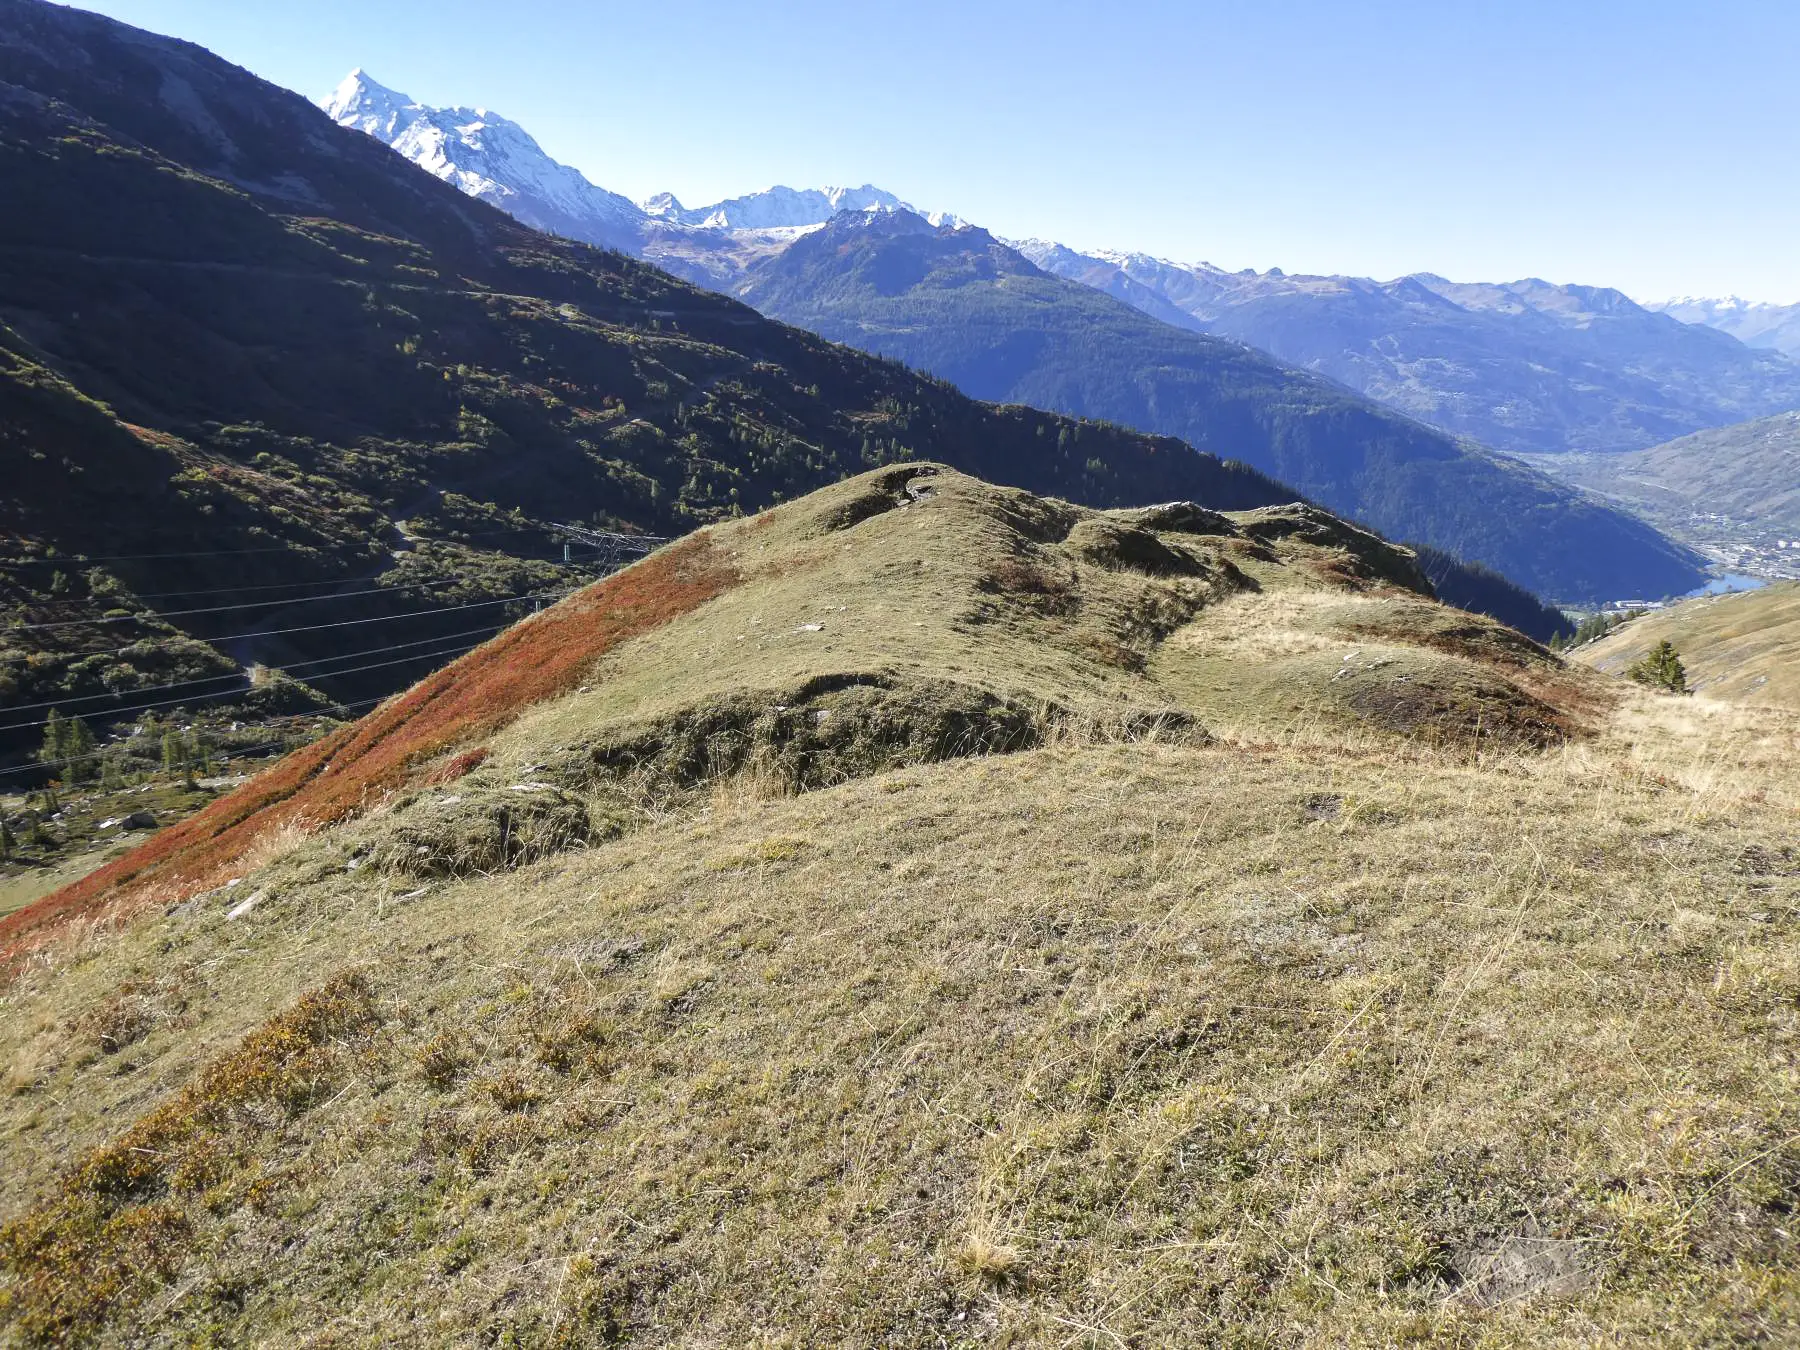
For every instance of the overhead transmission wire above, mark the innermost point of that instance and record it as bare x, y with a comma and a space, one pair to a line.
456, 649
239, 675
344, 623
88, 759
225, 609
250, 604
301, 585
279, 548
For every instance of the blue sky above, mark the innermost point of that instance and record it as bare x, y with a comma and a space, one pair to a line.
1644, 144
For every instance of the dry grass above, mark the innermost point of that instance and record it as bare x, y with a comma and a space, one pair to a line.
1742, 648
1288, 1043
1310, 1031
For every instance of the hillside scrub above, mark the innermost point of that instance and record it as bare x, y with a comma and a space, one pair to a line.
946, 914
1741, 648
1315, 1041
525, 665
1661, 668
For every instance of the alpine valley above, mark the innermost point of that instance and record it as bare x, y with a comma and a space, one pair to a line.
751, 845
862, 267
1525, 366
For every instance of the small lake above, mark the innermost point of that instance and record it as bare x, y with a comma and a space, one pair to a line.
1724, 585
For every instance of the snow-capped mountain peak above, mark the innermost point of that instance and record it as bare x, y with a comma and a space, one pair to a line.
362, 103
489, 158
1759, 323
782, 208
497, 161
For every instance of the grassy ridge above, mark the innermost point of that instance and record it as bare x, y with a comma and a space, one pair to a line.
984, 918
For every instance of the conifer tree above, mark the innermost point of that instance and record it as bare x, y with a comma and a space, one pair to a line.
56, 740
78, 744
1661, 668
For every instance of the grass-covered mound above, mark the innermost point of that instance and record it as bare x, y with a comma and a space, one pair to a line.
982, 920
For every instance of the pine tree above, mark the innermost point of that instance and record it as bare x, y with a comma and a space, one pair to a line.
171, 753
78, 743
56, 740
7, 842
1661, 668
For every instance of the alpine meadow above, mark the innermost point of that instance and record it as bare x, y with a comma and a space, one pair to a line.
580, 770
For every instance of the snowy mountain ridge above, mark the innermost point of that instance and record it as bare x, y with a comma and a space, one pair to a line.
497, 161
1756, 323
490, 158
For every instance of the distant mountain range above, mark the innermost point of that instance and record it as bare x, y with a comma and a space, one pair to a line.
963, 305
1525, 367
1755, 323
497, 161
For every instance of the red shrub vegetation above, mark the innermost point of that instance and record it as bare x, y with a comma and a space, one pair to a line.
459, 766
352, 768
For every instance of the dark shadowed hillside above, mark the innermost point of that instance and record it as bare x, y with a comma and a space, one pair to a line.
353, 400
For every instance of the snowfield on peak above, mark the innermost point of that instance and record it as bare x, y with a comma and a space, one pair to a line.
496, 160
491, 159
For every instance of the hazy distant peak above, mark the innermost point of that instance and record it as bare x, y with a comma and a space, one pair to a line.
782, 208
1759, 323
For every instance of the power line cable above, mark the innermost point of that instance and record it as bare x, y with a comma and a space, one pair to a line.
238, 674
230, 693
266, 745
82, 561
319, 627
164, 614
301, 585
